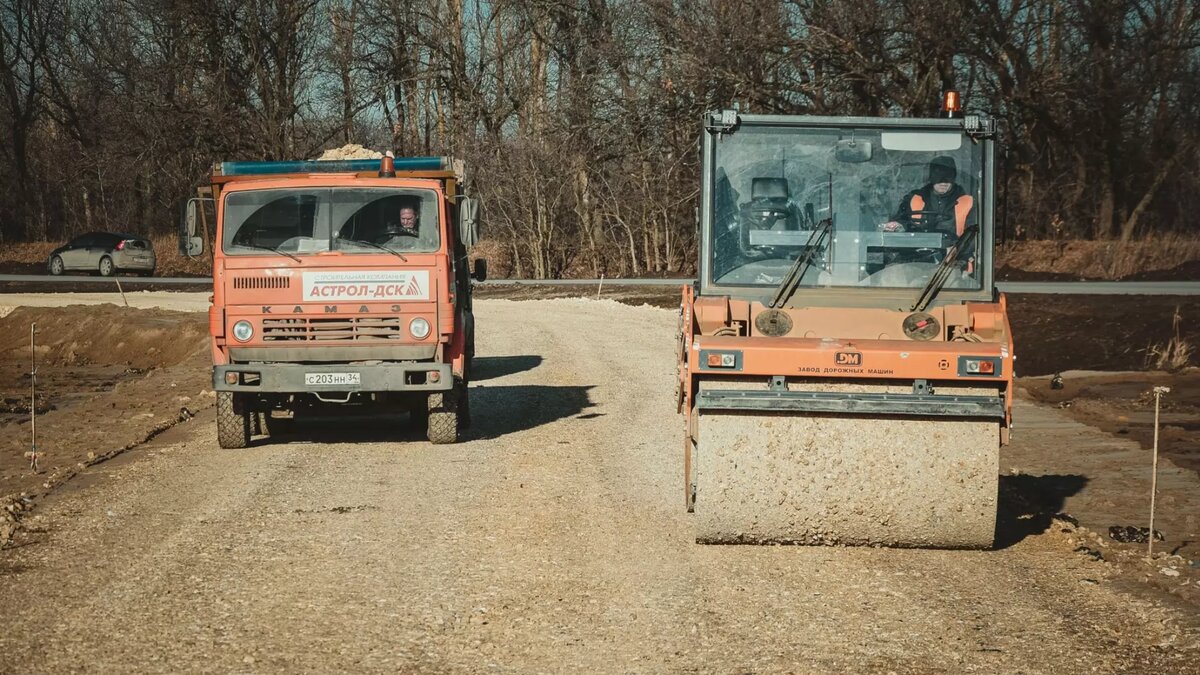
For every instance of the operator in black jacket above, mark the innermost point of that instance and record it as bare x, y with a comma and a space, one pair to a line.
941, 205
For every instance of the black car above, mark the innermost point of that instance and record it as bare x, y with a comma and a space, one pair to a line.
104, 252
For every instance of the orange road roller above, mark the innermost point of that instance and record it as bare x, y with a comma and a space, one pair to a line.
846, 362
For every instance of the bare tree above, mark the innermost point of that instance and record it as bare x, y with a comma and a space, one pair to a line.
579, 118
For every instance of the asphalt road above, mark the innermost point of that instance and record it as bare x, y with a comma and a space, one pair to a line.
1058, 287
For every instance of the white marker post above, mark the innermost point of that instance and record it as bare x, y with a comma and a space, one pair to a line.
33, 453
1158, 392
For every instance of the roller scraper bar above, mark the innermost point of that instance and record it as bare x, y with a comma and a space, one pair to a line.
854, 403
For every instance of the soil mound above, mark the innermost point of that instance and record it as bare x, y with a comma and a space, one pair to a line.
108, 378
350, 151
103, 335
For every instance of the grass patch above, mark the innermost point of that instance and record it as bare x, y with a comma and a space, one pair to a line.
1176, 354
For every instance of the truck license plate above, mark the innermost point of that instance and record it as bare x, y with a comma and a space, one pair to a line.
333, 379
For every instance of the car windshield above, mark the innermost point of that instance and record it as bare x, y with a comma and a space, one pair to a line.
311, 220
897, 201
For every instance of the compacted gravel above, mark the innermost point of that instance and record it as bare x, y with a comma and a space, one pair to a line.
553, 539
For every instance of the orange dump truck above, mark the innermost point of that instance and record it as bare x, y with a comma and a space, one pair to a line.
846, 363
338, 286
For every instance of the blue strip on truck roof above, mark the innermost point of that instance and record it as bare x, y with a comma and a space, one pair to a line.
330, 166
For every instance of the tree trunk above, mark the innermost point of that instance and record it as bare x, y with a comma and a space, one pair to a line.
1131, 223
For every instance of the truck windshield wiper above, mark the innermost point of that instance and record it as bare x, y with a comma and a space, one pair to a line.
381, 247
790, 281
939, 276
268, 248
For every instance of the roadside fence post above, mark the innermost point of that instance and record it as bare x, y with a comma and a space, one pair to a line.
1158, 392
33, 453
121, 290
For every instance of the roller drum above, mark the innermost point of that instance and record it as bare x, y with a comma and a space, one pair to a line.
768, 477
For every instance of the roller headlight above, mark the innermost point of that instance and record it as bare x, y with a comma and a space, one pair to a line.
419, 328
243, 331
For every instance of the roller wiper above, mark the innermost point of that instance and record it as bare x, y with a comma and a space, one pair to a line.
381, 247
790, 281
269, 248
939, 276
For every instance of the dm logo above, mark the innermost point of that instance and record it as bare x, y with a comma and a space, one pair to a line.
849, 359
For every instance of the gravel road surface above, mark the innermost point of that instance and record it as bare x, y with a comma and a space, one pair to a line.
552, 540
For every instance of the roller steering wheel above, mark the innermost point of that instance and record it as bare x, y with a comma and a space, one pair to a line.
928, 222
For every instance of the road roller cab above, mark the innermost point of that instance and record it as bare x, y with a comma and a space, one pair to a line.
846, 362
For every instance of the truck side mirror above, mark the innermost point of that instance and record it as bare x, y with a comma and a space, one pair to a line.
190, 244
468, 221
480, 273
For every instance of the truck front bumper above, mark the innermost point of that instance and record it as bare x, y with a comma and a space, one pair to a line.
299, 378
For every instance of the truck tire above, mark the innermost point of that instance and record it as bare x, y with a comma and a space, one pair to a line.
444, 418
233, 425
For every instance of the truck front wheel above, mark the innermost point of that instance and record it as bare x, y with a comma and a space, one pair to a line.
233, 421
445, 418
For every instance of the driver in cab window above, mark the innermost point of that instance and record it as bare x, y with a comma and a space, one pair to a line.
941, 205
403, 223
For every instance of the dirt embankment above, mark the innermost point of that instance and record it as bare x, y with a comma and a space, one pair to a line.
1055, 333
107, 378
1165, 258
1123, 404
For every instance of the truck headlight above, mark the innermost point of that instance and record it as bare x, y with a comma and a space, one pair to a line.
243, 331
419, 328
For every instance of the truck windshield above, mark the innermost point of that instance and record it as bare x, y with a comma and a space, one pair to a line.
897, 200
311, 220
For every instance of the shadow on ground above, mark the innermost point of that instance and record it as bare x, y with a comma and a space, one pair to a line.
500, 410
491, 367
1028, 503
495, 411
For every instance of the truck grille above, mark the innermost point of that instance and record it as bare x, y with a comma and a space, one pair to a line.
262, 282
349, 328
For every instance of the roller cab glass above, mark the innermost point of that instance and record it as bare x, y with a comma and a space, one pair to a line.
895, 202
299, 221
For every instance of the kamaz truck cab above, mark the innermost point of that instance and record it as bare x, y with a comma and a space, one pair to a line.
338, 283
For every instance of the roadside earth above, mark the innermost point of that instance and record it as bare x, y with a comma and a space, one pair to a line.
108, 379
554, 539
1123, 404
112, 377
